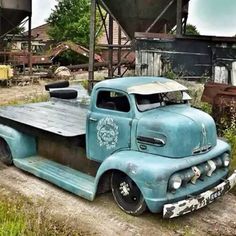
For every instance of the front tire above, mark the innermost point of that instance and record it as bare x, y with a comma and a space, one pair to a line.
127, 194
5, 153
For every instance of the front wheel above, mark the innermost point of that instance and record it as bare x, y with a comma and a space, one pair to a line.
127, 194
5, 153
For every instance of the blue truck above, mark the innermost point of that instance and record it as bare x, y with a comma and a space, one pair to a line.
138, 137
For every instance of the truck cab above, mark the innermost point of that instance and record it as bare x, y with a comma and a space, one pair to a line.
139, 138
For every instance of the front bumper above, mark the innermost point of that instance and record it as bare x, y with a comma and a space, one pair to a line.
197, 202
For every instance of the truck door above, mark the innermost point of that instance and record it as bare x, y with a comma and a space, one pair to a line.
108, 124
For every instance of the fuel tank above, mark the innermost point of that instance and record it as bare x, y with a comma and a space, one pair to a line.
137, 16
12, 13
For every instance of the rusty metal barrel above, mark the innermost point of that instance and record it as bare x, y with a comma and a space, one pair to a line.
222, 97
12, 13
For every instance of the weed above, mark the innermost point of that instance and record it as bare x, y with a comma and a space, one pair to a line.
205, 107
170, 74
230, 135
19, 216
28, 99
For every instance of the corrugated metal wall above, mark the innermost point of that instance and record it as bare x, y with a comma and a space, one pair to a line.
191, 57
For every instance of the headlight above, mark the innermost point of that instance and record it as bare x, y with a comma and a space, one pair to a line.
226, 160
219, 162
175, 182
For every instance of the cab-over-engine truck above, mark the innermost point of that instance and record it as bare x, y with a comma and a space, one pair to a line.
139, 137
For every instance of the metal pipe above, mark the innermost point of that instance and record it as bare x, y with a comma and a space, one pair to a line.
119, 51
92, 43
110, 67
30, 45
115, 46
103, 21
159, 16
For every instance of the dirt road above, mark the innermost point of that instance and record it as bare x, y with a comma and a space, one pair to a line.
103, 217
17, 93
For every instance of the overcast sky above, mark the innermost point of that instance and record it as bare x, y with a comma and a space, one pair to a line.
212, 17
41, 11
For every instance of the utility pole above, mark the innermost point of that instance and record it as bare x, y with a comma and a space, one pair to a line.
30, 45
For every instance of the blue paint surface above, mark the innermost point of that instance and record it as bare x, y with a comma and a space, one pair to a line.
21, 145
152, 172
181, 128
60, 175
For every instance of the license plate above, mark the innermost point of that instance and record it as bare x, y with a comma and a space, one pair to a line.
219, 192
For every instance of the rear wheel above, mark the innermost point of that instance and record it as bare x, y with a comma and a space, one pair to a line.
5, 153
127, 194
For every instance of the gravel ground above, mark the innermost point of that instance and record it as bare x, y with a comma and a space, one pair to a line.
103, 217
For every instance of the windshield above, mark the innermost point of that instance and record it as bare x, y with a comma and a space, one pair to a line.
152, 101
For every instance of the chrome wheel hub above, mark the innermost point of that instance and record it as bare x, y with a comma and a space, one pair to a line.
124, 189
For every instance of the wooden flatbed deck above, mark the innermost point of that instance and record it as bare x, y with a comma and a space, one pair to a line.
64, 118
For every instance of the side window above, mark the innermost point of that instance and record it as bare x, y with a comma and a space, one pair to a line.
113, 101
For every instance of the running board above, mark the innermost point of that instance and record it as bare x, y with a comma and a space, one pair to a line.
65, 177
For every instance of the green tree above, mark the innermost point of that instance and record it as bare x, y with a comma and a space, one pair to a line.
191, 30
70, 21
18, 30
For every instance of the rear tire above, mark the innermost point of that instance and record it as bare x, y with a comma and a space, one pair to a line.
61, 84
64, 94
5, 153
127, 194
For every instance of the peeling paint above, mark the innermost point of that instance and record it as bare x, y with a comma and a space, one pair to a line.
132, 168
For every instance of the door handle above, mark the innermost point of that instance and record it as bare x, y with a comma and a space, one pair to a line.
93, 119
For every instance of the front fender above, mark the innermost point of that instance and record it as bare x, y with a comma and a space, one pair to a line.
152, 172
144, 169
20, 144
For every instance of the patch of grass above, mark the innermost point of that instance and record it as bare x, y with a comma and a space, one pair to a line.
170, 74
19, 216
170, 224
12, 221
25, 100
204, 107
229, 133
177, 226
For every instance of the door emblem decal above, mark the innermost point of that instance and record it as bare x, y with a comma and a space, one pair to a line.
107, 133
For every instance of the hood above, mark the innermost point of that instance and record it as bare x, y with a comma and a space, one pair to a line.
176, 131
